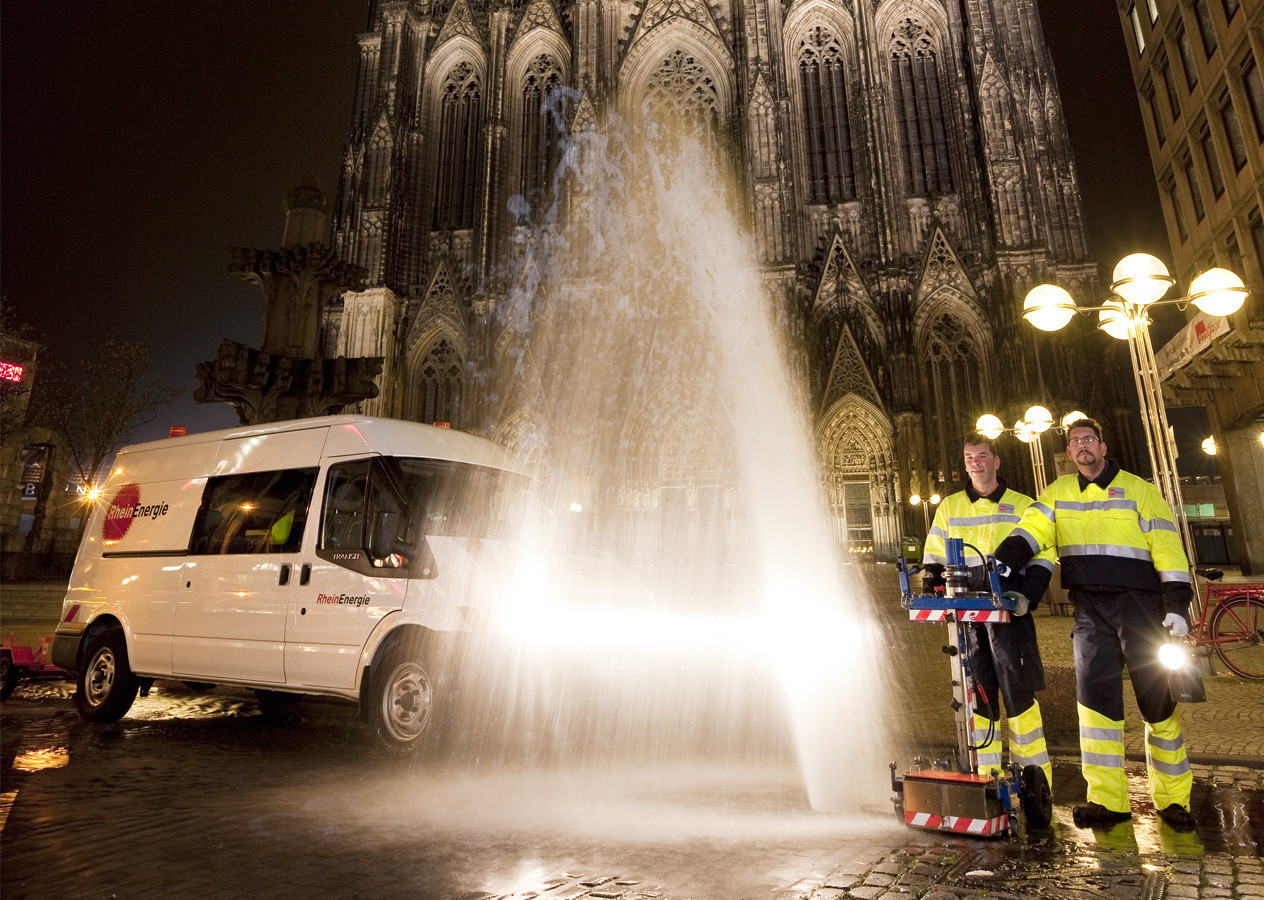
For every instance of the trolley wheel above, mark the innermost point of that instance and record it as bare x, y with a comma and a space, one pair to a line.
1036, 798
1237, 629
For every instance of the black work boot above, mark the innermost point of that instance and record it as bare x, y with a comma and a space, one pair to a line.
1178, 817
1091, 815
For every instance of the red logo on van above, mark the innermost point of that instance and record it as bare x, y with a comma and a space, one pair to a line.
118, 518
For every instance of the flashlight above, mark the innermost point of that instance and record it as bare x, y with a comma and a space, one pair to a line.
1173, 656
1184, 682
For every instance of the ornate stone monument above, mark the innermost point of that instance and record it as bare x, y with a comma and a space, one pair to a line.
290, 377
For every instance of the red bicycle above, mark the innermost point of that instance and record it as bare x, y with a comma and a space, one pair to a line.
1231, 623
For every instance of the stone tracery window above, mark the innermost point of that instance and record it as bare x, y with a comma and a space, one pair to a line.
955, 383
541, 133
456, 174
919, 111
824, 118
440, 389
682, 92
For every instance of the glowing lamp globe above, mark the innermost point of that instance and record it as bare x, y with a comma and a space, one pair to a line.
1218, 292
1048, 307
1038, 419
1113, 319
989, 426
1209, 445
1073, 416
1141, 279
915, 499
1023, 431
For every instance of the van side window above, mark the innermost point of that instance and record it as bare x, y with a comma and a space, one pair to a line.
345, 491
364, 510
256, 512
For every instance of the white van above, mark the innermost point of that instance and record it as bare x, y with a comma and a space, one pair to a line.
318, 556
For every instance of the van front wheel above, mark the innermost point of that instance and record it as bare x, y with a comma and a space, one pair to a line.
401, 700
106, 686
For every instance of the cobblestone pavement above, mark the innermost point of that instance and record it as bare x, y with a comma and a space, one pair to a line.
196, 795
203, 796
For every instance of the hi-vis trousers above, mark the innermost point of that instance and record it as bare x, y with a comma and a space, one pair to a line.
1114, 628
1005, 660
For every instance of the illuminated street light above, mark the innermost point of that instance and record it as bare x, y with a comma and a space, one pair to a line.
1139, 282
1218, 292
989, 426
925, 504
1035, 422
1048, 307
1038, 419
1064, 424
1141, 279
1209, 445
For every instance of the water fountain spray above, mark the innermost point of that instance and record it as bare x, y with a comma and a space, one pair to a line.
646, 317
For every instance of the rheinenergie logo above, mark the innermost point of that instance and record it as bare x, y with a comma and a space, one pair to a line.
125, 507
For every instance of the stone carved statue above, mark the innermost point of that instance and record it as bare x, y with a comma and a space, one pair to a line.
280, 387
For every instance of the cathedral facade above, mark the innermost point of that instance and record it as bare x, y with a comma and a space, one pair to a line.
903, 167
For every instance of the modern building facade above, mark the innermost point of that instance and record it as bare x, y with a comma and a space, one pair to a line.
903, 166
1197, 68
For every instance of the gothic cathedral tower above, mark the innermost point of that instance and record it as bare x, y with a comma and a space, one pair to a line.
903, 165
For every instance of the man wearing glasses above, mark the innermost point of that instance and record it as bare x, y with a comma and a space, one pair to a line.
1128, 576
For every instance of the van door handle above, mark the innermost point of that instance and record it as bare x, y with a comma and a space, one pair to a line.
305, 574
285, 574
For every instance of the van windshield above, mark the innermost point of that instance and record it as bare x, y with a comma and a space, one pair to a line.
387, 505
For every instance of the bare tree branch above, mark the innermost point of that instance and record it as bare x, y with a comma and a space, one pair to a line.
96, 409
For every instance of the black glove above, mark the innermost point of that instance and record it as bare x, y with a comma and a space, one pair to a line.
932, 577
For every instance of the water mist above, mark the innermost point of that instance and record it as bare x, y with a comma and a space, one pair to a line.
646, 318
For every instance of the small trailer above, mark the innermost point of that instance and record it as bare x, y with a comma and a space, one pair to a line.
18, 660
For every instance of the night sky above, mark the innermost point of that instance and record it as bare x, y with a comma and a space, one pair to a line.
142, 140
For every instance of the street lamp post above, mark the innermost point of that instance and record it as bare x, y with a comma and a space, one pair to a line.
925, 504
1029, 429
1140, 281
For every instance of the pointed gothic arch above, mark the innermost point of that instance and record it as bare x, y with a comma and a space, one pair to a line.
536, 112
435, 387
377, 168
920, 92
682, 67
855, 442
761, 112
520, 434
455, 76
820, 50
956, 347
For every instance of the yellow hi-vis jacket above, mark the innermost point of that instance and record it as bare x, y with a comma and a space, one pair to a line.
1114, 532
983, 522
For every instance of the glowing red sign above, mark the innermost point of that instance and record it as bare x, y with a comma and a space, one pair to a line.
11, 371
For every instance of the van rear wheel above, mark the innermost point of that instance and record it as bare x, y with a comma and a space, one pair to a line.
106, 687
401, 699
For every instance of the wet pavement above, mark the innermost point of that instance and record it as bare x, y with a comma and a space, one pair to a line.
203, 795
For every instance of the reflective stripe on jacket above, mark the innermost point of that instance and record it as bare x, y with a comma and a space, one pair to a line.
983, 524
1120, 535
